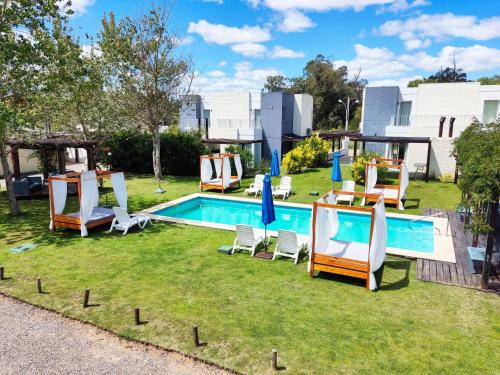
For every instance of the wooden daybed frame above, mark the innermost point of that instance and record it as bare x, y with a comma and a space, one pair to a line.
72, 221
340, 265
386, 163
235, 182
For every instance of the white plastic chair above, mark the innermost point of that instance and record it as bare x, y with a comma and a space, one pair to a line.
347, 185
123, 221
256, 187
284, 188
246, 239
288, 245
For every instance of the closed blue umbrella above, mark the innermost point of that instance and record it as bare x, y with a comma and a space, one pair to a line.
336, 171
275, 164
268, 215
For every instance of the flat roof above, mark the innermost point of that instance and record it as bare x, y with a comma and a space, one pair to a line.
227, 141
389, 139
339, 133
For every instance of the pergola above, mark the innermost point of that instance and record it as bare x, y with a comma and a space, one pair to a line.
337, 135
388, 139
227, 141
57, 145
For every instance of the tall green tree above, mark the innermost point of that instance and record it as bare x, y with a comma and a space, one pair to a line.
30, 32
447, 75
149, 71
492, 80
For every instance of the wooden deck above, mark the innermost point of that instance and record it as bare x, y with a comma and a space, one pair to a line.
456, 274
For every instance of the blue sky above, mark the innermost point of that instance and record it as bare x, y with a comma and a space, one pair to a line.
235, 44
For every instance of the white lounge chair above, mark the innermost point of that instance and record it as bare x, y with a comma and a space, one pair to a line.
246, 239
284, 188
347, 185
256, 187
123, 221
288, 245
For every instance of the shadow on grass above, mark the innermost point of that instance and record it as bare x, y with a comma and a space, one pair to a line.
395, 264
415, 203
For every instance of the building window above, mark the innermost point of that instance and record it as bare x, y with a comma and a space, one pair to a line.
404, 114
491, 111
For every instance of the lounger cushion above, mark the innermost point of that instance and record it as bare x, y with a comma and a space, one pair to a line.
97, 213
344, 249
388, 193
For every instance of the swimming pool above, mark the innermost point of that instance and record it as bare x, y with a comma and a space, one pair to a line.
402, 233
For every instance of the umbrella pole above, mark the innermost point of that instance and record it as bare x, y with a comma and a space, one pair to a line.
265, 237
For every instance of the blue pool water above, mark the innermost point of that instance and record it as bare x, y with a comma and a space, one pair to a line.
402, 233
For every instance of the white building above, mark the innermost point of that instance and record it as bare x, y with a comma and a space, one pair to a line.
260, 120
440, 111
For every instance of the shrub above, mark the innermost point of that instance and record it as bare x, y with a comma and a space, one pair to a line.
359, 165
131, 151
447, 177
308, 154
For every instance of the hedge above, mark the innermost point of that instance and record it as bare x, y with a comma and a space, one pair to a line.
131, 151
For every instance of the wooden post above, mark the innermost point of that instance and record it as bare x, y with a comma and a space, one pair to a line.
313, 242
355, 150
2, 270
364, 146
77, 156
429, 147
196, 337
61, 160
15, 162
137, 316
450, 130
274, 359
39, 285
86, 296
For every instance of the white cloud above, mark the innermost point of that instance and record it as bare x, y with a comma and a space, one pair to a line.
78, 6
402, 82
402, 6
185, 41
322, 5
439, 27
285, 53
222, 34
250, 49
216, 73
294, 21
381, 64
254, 3
214, 1
245, 78
222, 63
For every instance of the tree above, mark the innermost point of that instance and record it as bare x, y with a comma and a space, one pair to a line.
492, 80
30, 32
277, 84
477, 152
149, 71
449, 74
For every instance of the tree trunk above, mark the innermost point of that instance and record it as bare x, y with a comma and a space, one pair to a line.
156, 155
14, 207
485, 277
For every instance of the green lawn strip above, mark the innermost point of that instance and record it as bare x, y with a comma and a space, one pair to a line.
246, 306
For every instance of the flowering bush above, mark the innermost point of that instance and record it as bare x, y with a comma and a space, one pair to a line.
311, 153
358, 167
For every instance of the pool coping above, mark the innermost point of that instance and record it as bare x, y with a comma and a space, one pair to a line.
443, 242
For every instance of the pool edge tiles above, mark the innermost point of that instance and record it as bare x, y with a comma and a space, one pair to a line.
443, 244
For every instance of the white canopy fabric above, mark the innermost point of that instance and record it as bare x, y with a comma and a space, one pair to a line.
226, 173
371, 179
239, 167
330, 198
218, 167
89, 199
327, 226
379, 242
206, 170
403, 184
59, 195
120, 189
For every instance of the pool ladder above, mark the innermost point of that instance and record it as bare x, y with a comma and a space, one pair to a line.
436, 214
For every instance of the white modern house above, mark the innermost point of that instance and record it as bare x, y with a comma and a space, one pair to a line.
439, 111
257, 121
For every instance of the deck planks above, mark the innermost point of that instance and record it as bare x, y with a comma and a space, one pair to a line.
450, 273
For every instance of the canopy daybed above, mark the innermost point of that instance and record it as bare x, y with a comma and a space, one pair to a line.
393, 194
219, 176
349, 258
90, 214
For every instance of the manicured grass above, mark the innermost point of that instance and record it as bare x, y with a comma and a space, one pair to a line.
246, 306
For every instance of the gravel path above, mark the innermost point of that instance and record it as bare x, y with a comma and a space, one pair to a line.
36, 341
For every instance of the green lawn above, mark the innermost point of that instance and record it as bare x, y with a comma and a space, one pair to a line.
246, 306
